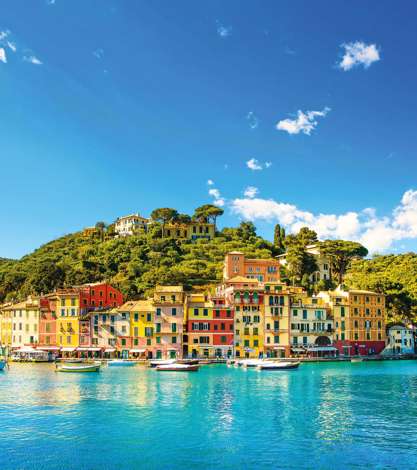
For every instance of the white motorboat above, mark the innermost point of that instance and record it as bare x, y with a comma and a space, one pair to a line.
252, 362
85, 367
276, 365
176, 367
161, 362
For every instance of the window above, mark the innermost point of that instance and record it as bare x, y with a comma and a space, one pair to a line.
173, 311
158, 327
124, 329
158, 340
246, 343
255, 343
342, 311
196, 312
174, 340
158, 312
148, 331
276, 339
149, 316
136, 316
295, 312
73, 302
123, 341
174, 327
217, 313
205, 312
304, 314
68, 339
136, 331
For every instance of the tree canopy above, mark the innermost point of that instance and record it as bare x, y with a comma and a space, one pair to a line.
340, 254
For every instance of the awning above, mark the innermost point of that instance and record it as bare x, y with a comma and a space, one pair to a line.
109, 350
67, 349
88, 349
279, 347
27, 349
137, 350
322, 348
48, 348
298, 349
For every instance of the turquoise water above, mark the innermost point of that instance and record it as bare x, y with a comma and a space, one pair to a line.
321, 416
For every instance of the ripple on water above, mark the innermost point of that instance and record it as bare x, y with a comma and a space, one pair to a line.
321, 416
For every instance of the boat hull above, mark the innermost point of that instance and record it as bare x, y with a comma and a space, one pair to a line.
76, 369
172, 368
278, 366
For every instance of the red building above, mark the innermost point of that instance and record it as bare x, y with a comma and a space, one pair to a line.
47, 324
99, 295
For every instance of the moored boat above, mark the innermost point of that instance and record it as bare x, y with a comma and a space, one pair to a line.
2, 364
251, 362
71, 367
356, 359
275, 365
161, 362
178, 367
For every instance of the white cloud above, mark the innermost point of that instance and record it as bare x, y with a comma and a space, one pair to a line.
4, 34
218, 199
378, 234
12, 46
32, 60
255, 165
98, 53
3, 57
252, 119
51, 2
223, 31
210, 182
304, 122
251, 192
358, 53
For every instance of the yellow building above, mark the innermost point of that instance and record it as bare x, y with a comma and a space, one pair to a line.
312, 327
68, 316
5, 325
142, 328
277, 320
200, 326
20, 323
190, 231
359, 321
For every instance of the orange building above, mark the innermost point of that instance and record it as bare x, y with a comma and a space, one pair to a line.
264, 270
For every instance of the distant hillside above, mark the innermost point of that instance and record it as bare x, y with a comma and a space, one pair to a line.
134, 264
395, 275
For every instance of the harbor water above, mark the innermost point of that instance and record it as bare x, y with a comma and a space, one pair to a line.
330, 416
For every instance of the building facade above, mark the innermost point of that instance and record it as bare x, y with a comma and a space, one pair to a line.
400, 340
264, 270
130, 224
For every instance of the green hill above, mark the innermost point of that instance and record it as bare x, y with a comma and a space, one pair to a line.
133, 264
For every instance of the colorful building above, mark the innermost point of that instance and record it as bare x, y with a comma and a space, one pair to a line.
198, 340
191, 231
400, 340
48, 324
130, 224
246, 296
277, 320
264, 270
359, 321
312, 326
5, 326
169, 320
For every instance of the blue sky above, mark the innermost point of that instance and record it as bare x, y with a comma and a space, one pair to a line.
114, 107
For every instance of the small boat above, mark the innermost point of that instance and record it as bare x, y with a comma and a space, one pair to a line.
178, 367
251, 362
275, 365
3, 364
161, 362
356, 359
187, 361
94, 367
120, 363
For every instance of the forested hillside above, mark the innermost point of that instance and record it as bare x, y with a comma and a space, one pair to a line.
133, 264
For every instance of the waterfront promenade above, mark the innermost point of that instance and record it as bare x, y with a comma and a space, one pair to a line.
327, 415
